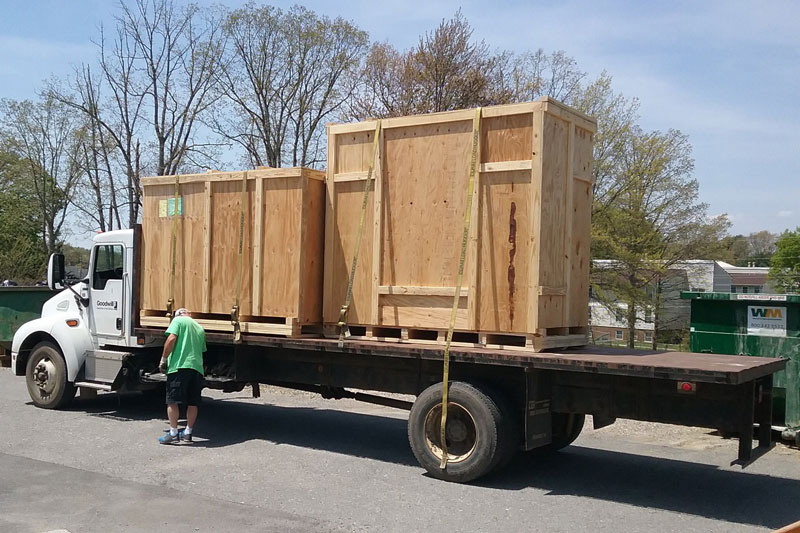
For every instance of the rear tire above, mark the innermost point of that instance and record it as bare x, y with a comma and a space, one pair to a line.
46, 377
478, 434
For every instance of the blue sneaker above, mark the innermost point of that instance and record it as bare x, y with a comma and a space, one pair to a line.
184, 437
167, 438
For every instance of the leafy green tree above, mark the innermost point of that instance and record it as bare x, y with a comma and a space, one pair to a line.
22, 255
784, 272
652, 222
41, 134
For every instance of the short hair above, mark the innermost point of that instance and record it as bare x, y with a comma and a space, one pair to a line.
181, 312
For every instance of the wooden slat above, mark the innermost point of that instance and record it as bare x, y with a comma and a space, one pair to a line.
258, 238
472, 243
350, 176
422, 291
328, 271
507, 166
535, 221
230, 176
554, 107
207, 248
551, 291
377, 228
568, 220
226, 326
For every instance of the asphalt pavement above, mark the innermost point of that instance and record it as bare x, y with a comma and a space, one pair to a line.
291, 461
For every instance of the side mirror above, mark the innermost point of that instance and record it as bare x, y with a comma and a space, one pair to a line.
56, 272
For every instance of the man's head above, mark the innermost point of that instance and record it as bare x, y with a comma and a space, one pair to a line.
183, 312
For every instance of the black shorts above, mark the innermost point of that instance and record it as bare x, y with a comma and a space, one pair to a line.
185, 386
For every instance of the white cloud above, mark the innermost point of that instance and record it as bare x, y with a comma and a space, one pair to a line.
785, 214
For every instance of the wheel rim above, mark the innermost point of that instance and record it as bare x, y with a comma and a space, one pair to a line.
44, 377
461, 432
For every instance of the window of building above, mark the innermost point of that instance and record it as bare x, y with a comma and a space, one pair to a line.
733, 288
756, 290
648, 316
619, 335
648, 336
744, 290
698, 289
619, 314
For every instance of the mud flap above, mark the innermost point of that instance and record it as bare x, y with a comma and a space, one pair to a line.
538, 417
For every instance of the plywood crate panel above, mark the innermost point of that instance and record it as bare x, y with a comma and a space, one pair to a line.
282, 254
527, 265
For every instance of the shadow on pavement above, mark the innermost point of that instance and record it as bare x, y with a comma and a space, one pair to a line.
225, 422
680, 486
698, 489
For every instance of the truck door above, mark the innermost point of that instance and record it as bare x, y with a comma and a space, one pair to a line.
107, 291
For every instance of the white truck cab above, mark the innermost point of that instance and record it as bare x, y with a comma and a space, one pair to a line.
85, 330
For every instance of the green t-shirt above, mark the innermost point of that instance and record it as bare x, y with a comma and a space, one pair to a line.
189, 347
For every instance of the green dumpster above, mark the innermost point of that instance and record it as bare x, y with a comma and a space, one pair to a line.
766, 325
17, 306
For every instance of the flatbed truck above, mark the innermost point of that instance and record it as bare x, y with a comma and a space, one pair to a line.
501, 401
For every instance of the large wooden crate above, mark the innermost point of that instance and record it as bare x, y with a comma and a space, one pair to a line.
281, 285
526, 281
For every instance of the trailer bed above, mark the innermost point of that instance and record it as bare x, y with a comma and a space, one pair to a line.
707, 368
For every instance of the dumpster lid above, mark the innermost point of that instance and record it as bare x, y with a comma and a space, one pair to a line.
728, 296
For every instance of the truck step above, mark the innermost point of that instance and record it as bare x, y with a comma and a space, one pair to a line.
93, 385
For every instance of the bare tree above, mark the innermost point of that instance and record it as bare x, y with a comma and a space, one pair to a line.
177, 51
284, 75
155, 79
42, 135
531, 75
446, 70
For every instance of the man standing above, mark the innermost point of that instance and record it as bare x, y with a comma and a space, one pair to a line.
182, 361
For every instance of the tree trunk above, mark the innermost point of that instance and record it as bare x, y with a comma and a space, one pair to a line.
632, 323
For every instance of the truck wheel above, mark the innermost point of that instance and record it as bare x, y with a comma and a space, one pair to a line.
46, 377
566, 428
478, 434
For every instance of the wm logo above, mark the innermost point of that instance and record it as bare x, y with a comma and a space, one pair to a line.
767, 312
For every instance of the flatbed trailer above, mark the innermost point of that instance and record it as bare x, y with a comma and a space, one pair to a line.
501, 400
727, 393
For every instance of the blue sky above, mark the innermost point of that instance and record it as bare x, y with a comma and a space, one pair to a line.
726, 73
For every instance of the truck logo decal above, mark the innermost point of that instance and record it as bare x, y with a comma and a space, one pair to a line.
108, 304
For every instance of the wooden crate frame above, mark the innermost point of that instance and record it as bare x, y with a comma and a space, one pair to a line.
533, 186
281, 290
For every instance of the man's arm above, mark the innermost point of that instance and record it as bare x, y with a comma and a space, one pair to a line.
168, 346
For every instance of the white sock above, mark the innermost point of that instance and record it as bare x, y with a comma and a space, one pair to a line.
173, 431
187, 431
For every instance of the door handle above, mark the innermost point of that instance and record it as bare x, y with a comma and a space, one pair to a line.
119, 323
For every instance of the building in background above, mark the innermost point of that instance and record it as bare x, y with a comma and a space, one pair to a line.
670, 322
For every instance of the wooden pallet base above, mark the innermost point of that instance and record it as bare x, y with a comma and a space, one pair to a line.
283, 326
533, 342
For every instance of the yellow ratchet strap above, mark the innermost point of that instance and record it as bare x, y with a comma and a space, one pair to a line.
342, 324
476, 125
171, 301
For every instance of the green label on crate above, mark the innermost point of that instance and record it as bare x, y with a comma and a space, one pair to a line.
166, 208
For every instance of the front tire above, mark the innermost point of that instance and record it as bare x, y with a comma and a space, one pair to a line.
46, 377
478, 435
